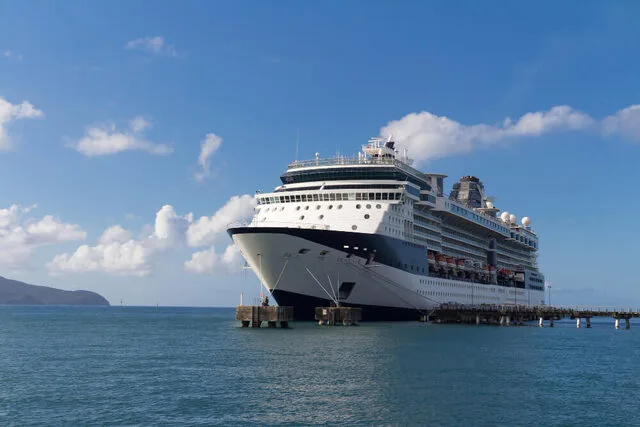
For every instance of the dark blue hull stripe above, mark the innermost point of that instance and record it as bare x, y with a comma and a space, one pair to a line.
387, 250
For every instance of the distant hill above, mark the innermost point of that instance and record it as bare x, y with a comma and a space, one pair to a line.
13, 292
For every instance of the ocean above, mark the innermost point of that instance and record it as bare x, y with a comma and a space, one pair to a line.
129, 366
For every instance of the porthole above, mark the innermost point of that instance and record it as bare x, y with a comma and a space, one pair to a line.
368, 206
358, 206
330, 206
318, 207
321, 216
306, 208
354, 227
378, 206
339, 206
366, 216
297, 208
282, 208
301, 217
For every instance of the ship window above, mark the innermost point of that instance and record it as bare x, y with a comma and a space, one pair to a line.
366, 216
315, 197
298, 198
325, 197
358, 196
368, 206
304, 197
345, 196
332, 196
303, 251
378, 206
352, 196
346, 246
354, 227
378, 196
358, 206
385, 196
339, 196
330, 206
339, 206
397, 196
372, 196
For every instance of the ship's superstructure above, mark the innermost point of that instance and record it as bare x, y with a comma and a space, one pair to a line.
372, 231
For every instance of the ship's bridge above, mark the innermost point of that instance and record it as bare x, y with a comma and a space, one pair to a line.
376, 162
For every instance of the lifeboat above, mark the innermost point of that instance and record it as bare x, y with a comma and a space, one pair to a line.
485, 269
431, 257
441, 260
492, 269
460, 264
451, 262
477, 265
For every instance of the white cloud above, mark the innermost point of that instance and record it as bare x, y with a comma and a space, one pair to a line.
114, 234
155, 45
208, 261
9, 54
117, 253
106, 140
625, 122
428, 136
20, 236
206, 230
11, 112
208, 147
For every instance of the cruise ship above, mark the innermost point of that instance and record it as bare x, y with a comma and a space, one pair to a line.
372, 231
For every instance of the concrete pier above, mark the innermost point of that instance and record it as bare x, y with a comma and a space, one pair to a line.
255, 315
347, 316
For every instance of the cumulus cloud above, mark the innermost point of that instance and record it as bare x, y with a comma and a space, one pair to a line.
117, 253
11, 112
625, 123
106, 139
155, 45
427, 135
208, 146
208, 261
10, 54
21, 235
206, 230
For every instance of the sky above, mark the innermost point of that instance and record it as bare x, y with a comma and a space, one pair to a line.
131, 134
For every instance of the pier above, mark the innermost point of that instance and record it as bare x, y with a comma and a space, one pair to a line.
347, 316
255, 315
510, 315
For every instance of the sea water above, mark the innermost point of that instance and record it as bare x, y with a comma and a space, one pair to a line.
196, 366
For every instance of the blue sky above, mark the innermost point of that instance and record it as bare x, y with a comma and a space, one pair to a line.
252, 75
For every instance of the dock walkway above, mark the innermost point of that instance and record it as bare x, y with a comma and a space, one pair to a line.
508, 314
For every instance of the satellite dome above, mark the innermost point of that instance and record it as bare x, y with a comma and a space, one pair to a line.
504, 216
526, 221
512, 219
489, 205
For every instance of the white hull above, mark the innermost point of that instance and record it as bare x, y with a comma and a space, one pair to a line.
317, 274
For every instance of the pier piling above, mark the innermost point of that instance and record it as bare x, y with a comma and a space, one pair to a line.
254, 316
